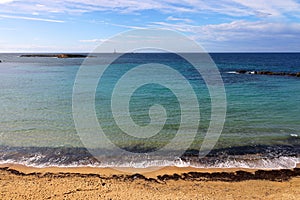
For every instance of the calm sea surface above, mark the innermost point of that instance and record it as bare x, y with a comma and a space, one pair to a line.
262, 127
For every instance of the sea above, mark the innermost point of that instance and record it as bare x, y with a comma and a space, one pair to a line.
261, 128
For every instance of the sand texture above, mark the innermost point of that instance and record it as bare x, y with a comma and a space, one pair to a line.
18, 182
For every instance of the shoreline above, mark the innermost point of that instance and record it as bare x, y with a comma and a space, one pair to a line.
160, 173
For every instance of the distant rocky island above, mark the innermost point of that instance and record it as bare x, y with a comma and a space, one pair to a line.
63, 55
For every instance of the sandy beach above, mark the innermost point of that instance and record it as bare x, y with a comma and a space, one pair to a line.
20, 182
153, 100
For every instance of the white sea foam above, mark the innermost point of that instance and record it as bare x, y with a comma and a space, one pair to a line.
274, 163
293, 135
232, 72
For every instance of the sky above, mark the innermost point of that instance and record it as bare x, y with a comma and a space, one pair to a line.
217, 25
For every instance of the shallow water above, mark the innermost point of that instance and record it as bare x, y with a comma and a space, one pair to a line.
262, 127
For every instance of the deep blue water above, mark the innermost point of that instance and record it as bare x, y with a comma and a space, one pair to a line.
262, 127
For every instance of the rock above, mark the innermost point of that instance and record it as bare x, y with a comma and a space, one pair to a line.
268, 73
70, 56
55, 55
241, 71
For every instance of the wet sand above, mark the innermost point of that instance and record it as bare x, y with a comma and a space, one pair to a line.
20, 182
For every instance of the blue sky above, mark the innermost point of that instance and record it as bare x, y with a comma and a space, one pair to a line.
218, 26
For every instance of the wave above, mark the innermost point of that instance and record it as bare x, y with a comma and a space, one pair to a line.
278, 163
252, 157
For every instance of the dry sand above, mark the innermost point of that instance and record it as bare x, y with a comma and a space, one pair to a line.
19, 182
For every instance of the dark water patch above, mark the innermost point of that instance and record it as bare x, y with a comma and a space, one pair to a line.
256, 156
47, 155
140, 149
273, 151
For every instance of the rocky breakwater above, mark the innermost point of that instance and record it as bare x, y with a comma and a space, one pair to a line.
268, 73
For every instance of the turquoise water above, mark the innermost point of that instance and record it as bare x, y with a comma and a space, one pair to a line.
263, 112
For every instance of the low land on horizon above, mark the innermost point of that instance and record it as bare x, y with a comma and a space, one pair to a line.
63, 55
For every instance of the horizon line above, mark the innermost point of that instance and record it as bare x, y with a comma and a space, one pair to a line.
85, 52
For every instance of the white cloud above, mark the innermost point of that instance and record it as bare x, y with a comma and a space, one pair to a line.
5, 1
237, 29
272, 27
260, 8
274, 7
31, 18
259, 36
171, 18
28, 47
79, 6
92, 40
241, 30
